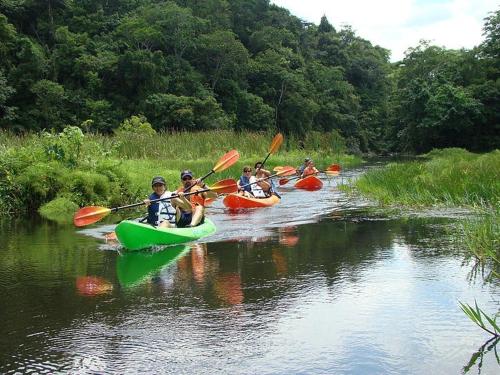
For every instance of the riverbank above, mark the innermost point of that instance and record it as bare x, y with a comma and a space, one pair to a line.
451, 178
55, 173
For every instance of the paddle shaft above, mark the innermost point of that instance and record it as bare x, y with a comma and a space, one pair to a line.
159, 199
297, 177
260, 180
264, 162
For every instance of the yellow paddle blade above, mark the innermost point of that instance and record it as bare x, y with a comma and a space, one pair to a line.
276, 143
226, 161
89, 215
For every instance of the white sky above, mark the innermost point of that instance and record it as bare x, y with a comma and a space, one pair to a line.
400, 24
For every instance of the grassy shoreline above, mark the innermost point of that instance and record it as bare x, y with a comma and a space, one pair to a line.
448, 177
58, 172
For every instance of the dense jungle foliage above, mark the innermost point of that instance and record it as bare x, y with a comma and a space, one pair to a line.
239, 65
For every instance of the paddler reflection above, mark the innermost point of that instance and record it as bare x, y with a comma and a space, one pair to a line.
288, 236
209, 277
93, 285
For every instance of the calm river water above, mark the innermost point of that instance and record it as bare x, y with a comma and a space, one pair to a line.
319, 284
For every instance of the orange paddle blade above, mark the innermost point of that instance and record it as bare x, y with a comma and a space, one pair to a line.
226, 186
286, 171
226, 161
333, 168
276, 143
89, 215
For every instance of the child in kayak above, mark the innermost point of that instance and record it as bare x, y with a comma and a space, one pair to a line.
190, 209
160, 214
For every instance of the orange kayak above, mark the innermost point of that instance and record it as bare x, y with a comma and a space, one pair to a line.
310, 182
235, 201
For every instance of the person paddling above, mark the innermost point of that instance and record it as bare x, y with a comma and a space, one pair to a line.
261, 189
310, 169
190, 209
300, 169
160, 214
244, 187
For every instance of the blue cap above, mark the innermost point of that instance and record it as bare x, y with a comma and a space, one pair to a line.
185, 173
158, 180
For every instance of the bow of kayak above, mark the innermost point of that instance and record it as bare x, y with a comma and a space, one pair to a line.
135, 236
235, 201
310, 182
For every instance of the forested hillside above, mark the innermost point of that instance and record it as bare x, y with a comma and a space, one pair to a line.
238, 64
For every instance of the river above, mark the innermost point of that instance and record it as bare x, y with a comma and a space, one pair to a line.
322, 283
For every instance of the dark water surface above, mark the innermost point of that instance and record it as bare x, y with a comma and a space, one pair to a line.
314, 285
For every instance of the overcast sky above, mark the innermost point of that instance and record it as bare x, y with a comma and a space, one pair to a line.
399, 24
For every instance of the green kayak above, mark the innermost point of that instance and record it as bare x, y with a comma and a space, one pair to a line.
135, 267
135, 236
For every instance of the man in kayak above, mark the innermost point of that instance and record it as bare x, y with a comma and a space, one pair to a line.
300, 169
309, 169
262, 188
190, 209
160, 214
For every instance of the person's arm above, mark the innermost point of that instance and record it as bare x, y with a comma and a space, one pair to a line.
182, 202
265, 172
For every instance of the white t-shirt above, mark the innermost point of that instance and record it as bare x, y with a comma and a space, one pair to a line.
256, 189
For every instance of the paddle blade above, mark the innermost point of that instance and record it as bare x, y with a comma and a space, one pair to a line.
89, 215
276, 143
332, 173
226, 161
286, 171
333, 168
284, 181
226, 186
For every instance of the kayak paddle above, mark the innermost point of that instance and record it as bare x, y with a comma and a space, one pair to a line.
224, 162
331, 170
275, 145
284, 171
91, 214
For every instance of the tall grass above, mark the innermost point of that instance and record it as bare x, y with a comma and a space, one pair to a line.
73, 168
193, 145
449, 177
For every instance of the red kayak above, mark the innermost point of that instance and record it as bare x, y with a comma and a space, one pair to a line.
310, 182
236, 201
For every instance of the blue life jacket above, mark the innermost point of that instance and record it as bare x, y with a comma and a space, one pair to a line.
160, 211
244, 180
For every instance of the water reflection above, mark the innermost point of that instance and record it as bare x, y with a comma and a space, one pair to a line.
134, 268
93, 285
352, 293
479, 355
